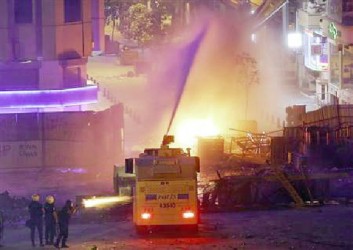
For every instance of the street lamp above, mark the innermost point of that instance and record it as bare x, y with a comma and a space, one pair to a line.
294, 40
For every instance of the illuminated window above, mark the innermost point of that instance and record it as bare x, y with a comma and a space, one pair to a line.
73, 11
23, 11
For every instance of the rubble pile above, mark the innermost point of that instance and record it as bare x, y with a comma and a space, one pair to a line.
14, 209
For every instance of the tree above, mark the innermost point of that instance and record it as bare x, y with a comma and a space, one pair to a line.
111, 13
111, 10
164, 14
138, 24
116, 11
162, 11
248, 74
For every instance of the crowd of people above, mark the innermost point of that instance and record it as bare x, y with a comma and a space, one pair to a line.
56, 223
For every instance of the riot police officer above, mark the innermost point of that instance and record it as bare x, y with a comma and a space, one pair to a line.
36, 218
51, 219
1, 227
64, 219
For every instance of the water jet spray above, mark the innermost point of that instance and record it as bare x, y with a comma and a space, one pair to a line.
189, 52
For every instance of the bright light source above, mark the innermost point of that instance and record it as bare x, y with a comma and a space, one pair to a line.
104, 201
187, 132
253, 37
146, 216
294, 40
188, 215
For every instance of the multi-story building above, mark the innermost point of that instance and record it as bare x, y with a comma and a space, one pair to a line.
338, 27
327, 26
44, 46
313, 58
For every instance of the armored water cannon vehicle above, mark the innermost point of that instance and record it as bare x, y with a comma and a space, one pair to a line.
165, 191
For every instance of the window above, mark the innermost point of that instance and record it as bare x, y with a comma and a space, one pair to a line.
72, 11
23, 11
323, 90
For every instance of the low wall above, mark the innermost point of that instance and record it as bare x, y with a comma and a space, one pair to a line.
63, 139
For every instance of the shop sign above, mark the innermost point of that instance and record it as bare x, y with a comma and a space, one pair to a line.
332, 31
316, 49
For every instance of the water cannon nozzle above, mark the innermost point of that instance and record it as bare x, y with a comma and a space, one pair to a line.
167, 139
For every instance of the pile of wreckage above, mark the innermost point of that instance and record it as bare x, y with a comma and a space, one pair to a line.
309, 162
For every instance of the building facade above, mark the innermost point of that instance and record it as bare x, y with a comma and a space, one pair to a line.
338, 27
327, 63
44, 46
313, 58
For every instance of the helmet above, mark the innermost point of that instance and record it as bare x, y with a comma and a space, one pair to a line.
35, 197
50, 199
68, 203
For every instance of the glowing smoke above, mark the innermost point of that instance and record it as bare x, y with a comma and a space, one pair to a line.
187, 55
211, 84
215, 91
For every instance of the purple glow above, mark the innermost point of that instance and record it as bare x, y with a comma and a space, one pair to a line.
48, 98
187, 55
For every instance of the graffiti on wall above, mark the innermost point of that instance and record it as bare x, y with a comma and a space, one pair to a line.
61, 128
80, 139
20, 154
4, 149
27, 150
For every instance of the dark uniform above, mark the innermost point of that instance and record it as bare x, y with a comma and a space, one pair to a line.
64, 219
50, 223
36, 216
1, 226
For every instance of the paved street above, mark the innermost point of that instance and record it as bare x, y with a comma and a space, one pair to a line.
329, 227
